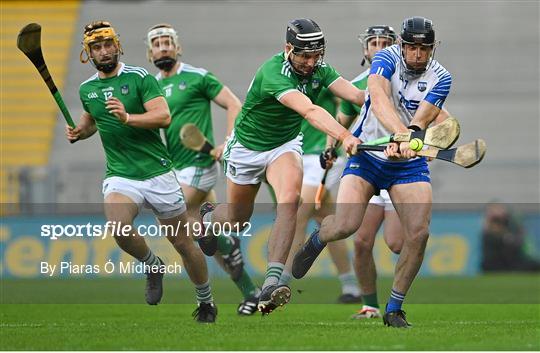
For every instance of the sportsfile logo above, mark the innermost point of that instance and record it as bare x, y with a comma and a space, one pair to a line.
56, 231
118, 229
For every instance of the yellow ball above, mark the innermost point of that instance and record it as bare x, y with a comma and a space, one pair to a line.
416, 144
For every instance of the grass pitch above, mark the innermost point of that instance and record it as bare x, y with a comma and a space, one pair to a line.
438, 324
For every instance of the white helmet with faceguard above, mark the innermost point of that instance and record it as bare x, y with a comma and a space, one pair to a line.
163, 30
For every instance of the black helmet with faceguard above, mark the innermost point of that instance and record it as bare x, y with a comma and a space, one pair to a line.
378, 31
417, 31
305, 36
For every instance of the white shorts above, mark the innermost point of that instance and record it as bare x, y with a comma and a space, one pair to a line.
200, 178
383, 200
161, 193
313, 172
247, 167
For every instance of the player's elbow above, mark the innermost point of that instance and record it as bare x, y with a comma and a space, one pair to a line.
165, 119
235, 103
359, 97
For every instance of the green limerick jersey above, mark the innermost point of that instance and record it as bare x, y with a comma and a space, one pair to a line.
131, 152
315, 140
349, 108
264, 122
189, 94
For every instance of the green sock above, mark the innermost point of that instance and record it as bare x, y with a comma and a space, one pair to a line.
246, 285
371, 300
273, 273
224, 244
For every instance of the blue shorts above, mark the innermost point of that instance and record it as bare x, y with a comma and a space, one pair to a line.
382, 174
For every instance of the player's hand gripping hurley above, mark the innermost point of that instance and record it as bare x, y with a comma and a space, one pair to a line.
442, 135
321, 189
466, 156
29, 42
192, 138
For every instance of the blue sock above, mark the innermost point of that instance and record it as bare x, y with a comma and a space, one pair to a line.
316, 241
395, 302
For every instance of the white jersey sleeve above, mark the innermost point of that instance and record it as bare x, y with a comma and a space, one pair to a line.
406, 94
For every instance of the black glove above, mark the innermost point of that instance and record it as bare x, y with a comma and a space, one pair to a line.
328, 154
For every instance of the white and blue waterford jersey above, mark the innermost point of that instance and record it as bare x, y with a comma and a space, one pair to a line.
406, 93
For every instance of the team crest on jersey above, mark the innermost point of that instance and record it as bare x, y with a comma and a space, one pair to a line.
124, 89
315, 84
422, 85
182, 85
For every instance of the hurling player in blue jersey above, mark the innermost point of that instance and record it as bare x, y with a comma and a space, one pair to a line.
406, 91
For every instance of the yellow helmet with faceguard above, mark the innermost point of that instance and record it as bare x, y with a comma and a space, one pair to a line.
163, 30
98, 31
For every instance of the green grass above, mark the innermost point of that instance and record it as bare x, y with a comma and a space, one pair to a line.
512, 288
438, 324
296, 327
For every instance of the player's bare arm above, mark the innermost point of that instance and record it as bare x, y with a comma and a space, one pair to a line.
379, 91
345, 120
157, 113
426, 114
85, 128
320, 118
384, 110
345, 90
230, 102
442, 116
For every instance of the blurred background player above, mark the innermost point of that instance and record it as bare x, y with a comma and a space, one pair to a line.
189, 92
267, 144
125, 105
503, 241
407, 88
313, 144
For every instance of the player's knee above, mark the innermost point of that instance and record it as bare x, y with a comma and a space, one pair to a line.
362, 245
345, 228
180, 242
238, 217
291, 197
419, 236
395, 246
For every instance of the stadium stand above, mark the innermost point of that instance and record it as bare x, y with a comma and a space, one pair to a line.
488, 89
28, 113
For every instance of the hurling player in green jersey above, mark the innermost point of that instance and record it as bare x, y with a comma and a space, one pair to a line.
314, 143
266, 144
189, 92
125, 105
